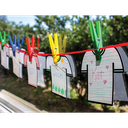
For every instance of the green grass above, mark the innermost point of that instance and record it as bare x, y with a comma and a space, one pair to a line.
73, 95
49, 100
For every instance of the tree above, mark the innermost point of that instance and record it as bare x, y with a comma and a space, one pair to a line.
3, 18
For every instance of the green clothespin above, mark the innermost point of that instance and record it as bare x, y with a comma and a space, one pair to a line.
3, 39
96, 38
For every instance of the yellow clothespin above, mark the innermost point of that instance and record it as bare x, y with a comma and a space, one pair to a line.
54, 48
62, 46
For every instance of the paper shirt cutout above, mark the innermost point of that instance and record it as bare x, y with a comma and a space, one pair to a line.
32, 72
31, 69
5, 57
120, 86
40, 66
31, 66
59, 83
40, 72
18, 61
16, 64
120, 89
66, 62
101, 75
26, 57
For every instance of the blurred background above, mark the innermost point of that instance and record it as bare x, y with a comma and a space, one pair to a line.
114, 31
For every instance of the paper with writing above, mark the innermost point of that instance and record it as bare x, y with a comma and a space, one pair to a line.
59, 85
101, 75
32, 72
66, 62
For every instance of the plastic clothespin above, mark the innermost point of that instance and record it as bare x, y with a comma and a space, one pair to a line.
54, 48
3, 39
20, 45
37, 46
13, 45
96, 38
62, 45
30, 47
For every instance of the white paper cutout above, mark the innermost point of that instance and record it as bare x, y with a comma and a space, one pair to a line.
22, 56
32, 72
16, 64
120, 86
42, 63
5, 57
66, 62
18, 60
59, 81
101, 75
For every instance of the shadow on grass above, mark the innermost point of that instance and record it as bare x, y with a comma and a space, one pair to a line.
54, 103
44, 99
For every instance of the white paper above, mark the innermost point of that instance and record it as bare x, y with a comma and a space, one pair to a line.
66, 62
32, 72
17, 66
42, 65
59, 85
120, 85
10, 53
5, 58
101, 75
22, 56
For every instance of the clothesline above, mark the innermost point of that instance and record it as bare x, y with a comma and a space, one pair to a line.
111, 46
76, 52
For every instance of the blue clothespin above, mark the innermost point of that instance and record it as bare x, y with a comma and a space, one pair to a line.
20, 45
13, 45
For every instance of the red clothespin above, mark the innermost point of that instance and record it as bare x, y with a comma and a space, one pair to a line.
30, 48
37, 46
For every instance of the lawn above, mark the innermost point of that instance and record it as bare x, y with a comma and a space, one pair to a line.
44, 99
